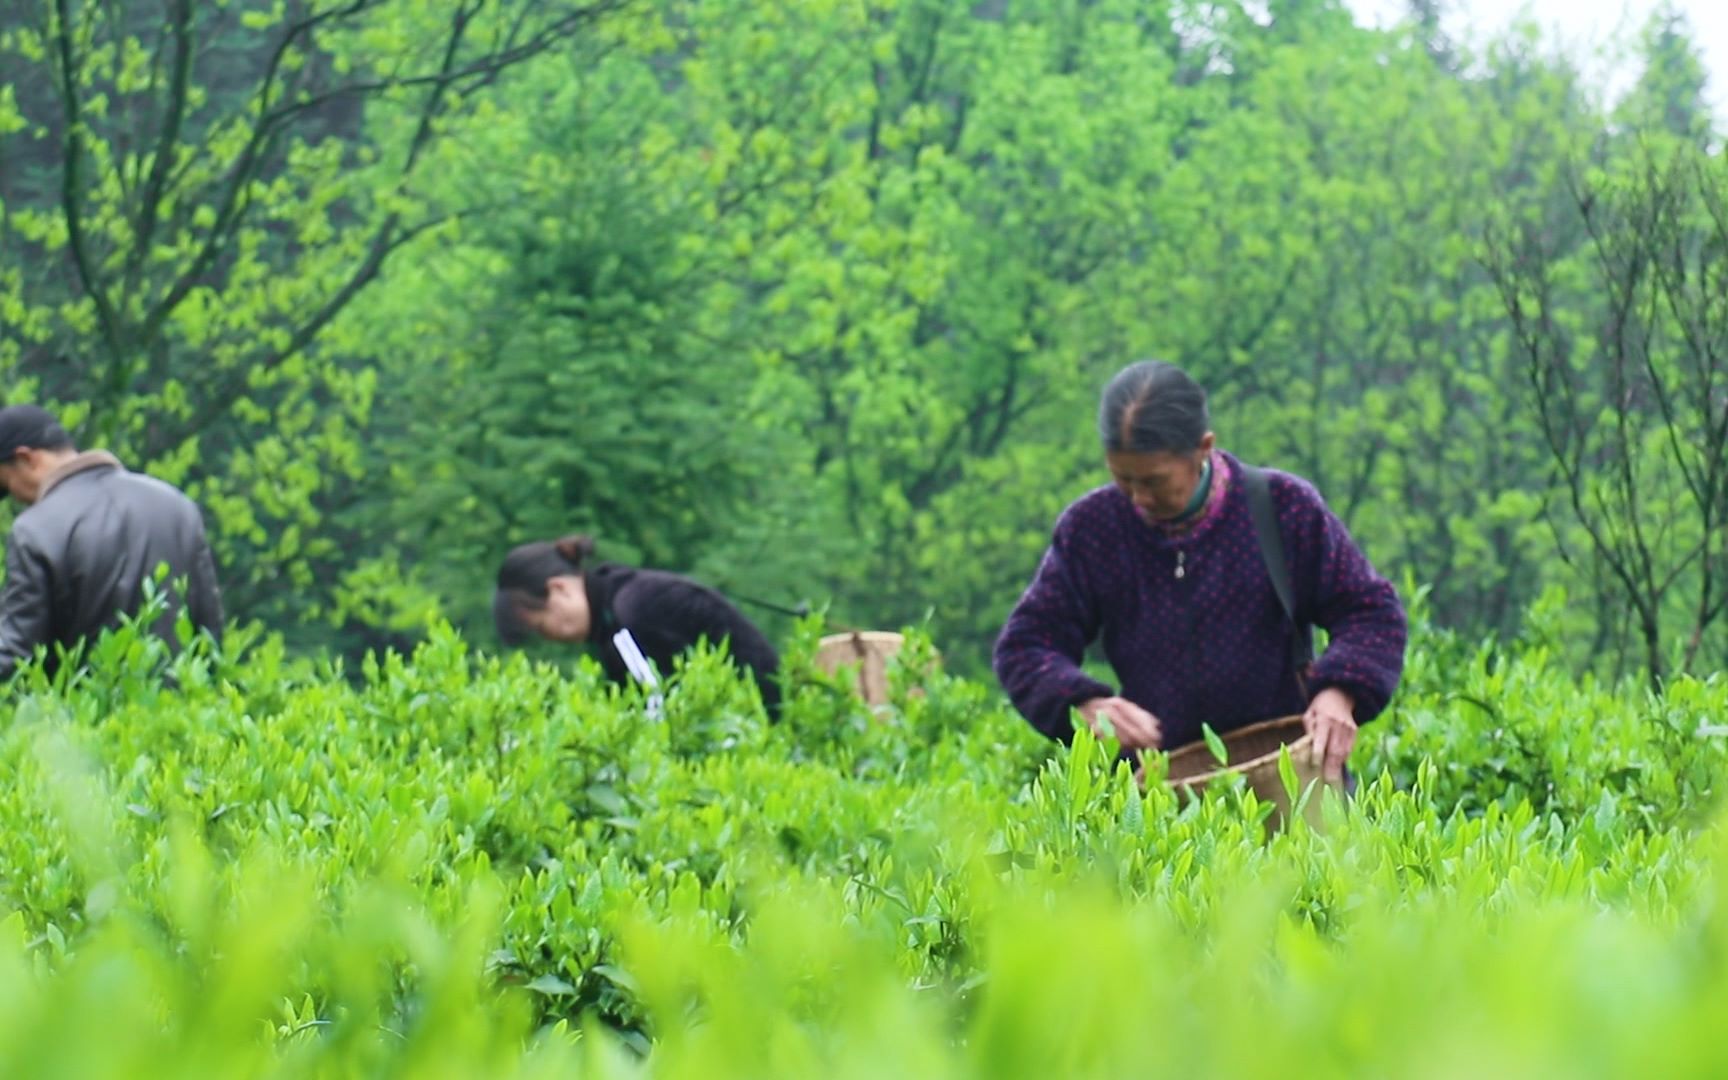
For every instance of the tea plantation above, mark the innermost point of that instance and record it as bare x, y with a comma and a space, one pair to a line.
455, 865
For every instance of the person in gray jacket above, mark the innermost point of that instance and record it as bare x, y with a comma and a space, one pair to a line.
89, 537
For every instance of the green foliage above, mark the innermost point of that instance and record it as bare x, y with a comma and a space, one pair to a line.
885, 257
454, 863
190, 197
813, 301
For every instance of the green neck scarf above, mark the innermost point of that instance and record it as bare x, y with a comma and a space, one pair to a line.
1202, 491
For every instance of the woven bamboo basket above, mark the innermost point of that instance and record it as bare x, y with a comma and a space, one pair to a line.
869, 651
1253, 752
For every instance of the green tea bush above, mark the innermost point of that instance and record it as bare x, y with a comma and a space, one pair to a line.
233, 863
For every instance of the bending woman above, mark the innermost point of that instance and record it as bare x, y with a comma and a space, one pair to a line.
1165, 565
551, 589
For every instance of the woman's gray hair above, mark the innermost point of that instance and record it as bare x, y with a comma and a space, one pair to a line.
1153, 407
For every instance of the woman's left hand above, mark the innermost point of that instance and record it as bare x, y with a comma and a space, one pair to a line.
1331, 720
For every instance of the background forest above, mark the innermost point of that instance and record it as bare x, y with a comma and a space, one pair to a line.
813, 300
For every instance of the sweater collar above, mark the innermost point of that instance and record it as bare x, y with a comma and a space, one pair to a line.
1223, 479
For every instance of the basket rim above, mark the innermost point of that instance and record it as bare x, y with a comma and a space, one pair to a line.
1274, 724
860, 635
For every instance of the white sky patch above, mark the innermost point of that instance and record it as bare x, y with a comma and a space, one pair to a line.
1602, 34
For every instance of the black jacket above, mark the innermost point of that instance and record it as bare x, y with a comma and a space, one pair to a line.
667, 614
78, 559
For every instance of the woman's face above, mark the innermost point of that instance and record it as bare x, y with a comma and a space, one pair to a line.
565, 617
1160, 484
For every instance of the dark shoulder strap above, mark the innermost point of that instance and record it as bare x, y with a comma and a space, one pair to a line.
1259, 491
1258, 488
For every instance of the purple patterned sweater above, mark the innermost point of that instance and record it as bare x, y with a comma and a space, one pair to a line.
1213, 645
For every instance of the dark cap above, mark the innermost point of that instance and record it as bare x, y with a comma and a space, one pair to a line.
29, 426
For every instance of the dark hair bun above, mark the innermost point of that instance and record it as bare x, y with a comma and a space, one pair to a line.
575, 549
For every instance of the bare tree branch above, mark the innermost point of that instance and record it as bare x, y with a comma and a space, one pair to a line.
231, 206
72, 183
390, 237
149, 209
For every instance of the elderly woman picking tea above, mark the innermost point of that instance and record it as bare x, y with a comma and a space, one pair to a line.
1166, 566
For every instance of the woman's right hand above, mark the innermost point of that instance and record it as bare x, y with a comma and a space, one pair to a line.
1133, 727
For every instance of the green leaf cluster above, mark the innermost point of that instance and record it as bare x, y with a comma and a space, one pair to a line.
456, 863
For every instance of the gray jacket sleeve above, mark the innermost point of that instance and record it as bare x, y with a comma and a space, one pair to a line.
25, 616
204, 599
